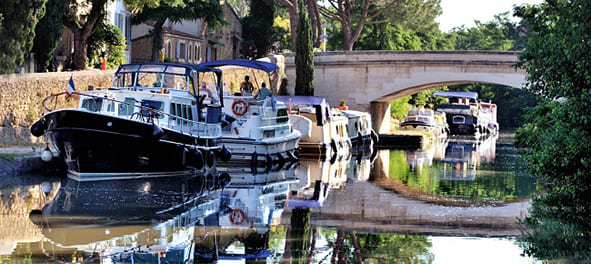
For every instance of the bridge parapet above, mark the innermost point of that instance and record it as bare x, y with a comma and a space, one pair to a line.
372, 79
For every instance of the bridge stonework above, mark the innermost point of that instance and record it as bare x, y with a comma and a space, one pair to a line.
371, 80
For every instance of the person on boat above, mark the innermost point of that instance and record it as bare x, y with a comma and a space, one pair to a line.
263, 93
246, 86
204, 91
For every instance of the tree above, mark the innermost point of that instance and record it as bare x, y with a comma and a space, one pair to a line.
294, 14
48, 33
558, 67
17, 31
82, 26
353, 15
209, 10
304, 57
108, 38
258, 29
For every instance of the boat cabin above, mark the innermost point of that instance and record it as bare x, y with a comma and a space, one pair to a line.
165, 94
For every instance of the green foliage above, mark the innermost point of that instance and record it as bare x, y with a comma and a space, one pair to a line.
511, 102
304, 57
48, 33
176, 11
18, 31
281, 34
109, 39
257, 29
557, 62
138, 5
378, 248
400, 107
492, 35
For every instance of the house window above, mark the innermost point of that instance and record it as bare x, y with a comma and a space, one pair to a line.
183, 51
169, 51
189, 53
197, 53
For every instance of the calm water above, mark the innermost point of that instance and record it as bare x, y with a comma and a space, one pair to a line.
280, 217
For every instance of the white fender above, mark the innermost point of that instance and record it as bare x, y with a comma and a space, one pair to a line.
301, 124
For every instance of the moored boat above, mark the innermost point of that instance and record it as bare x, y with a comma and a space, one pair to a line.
359, 131
420, 120
488, 113
323, 134
462, 113
151, 122
258, 132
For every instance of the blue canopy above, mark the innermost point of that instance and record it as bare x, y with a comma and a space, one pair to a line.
260, 65
303, 100
471, 95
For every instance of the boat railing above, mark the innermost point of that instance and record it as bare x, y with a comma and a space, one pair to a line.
148, 114
257, 107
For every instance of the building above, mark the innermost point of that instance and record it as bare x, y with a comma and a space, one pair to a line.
190, 41
116, 14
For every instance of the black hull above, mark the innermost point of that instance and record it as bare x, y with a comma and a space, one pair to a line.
469, 126
96, 146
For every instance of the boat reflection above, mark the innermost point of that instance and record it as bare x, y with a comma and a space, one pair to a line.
250, 217
316, 177
134, 221
460, 156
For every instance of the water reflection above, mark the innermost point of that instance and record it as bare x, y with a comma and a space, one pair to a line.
317, 212
126, 221
463, 168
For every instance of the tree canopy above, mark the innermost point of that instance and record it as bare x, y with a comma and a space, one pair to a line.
257, 29
48, 33
556, 58
19, 18
209, 10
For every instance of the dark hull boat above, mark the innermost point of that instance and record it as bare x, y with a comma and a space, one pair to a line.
158, 128
96, 146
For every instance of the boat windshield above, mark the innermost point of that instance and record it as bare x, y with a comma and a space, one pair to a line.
152, 76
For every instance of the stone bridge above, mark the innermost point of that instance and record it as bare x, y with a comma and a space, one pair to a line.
371, 80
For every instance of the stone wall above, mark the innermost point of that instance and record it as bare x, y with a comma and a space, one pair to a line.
21, 97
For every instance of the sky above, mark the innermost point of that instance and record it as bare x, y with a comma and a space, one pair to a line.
463, 12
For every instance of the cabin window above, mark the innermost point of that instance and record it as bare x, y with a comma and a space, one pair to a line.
92, 104
185, 113
147, 105
178, 110
172, 108
111, 106
458, 120
189, 113
126, 108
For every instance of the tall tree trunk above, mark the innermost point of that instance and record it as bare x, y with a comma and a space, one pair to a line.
83, 32
315, 21
347, 42
80, 50
293, 23
157, 39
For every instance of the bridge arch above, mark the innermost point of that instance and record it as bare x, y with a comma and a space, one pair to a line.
370, 80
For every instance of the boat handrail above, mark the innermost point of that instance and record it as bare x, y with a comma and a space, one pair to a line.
200, 126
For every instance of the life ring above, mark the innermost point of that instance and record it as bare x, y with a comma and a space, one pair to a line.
236, 217
239, 107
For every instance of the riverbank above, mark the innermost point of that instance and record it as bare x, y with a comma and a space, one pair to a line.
376, 210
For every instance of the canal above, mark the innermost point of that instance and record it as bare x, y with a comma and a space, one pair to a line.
454, 201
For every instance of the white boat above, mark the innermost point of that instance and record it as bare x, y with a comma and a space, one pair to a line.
463, 115
258, 132
488, 114
323, 133
420, 120
151, 122
361, 134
